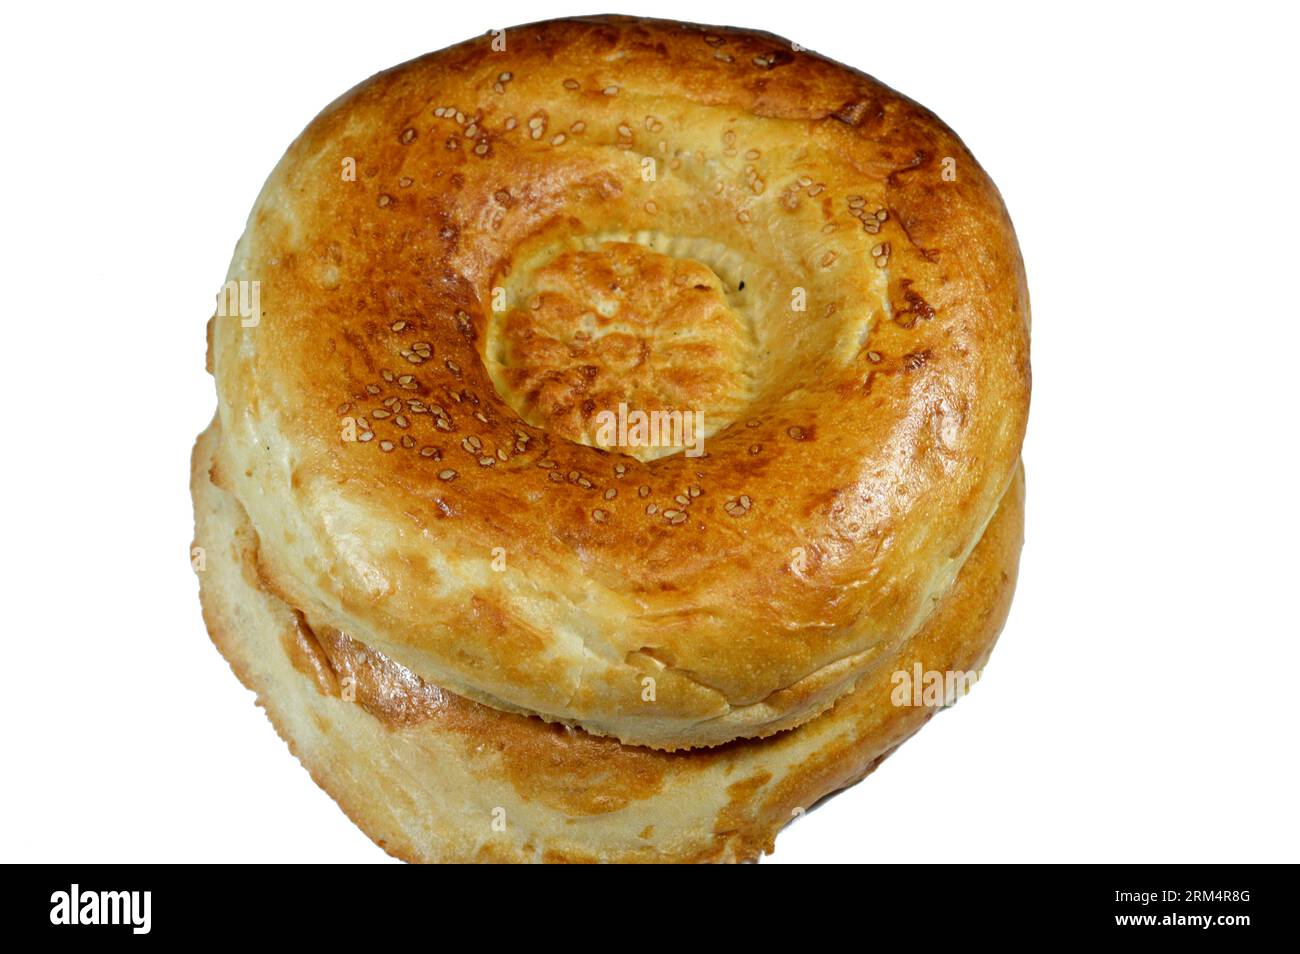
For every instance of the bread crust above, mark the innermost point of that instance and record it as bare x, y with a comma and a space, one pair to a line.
433, 777
871, 436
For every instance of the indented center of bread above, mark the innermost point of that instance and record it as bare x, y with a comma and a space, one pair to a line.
636, 346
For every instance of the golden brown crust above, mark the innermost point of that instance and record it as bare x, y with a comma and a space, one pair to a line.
426, 774
855, 449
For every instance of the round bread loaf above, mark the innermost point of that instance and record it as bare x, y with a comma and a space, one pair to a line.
654, 379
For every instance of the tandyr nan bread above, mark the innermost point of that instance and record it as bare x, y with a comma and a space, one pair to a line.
606, 409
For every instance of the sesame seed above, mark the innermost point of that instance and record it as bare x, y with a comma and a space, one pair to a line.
795, 432
446, 475
385, 200
643, 490
599, 516
739, 506
385, 446
610, 91
409, 134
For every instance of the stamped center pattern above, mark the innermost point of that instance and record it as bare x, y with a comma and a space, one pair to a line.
595, 334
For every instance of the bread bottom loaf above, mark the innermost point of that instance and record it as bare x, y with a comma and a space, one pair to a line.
434, 777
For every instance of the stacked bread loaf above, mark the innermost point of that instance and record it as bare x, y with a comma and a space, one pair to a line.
609, 412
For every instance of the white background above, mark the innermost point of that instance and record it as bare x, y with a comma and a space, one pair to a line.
1139, 705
